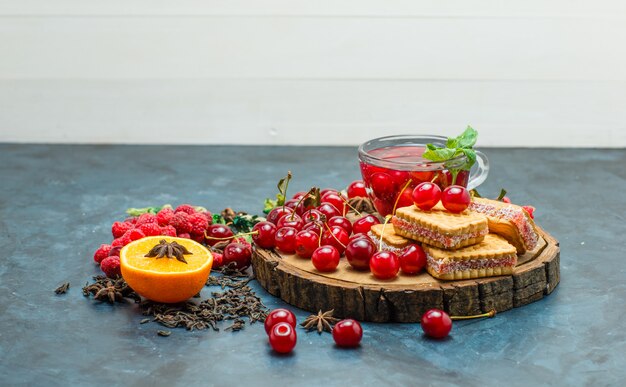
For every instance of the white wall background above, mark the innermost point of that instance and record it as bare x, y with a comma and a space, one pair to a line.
524, 73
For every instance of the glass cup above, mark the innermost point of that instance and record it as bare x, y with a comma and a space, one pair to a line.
388, 163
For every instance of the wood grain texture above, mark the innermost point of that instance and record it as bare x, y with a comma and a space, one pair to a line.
359, 295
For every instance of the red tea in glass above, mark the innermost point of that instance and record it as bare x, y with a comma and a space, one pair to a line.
389, 164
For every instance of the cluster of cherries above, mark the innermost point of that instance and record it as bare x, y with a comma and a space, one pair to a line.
323, 234
454, 198
280, 326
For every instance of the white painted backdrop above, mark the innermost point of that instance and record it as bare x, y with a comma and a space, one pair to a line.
524, 73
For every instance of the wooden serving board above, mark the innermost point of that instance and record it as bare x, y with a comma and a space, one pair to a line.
361, 296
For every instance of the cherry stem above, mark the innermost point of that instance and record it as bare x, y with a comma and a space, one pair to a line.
382, 233
348, 204
333, 235
399, 195
308, 194
489, 314
230, 237
288, 177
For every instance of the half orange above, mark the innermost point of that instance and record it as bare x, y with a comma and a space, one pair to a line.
165, 279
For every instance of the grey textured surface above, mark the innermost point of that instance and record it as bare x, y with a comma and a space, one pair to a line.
57, 204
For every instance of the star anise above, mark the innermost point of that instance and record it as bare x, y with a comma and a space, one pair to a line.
361, 204
167, 249
105, 286
110, 293
322, 321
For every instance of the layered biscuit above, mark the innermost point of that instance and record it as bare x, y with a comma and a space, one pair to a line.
439, 227
509, 221
491, 257
390, 241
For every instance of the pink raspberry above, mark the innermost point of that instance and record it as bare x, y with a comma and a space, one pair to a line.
111, 267
146, 218
168, 231
186, 208
199, 223
180, 221
164, 216
133, 235
119, 228
184, 235
150, 229
101, 253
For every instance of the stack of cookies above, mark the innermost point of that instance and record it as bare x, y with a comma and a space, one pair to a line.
482, 241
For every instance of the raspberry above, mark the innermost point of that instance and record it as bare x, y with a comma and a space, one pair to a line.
131, 220
208, 216
198, 237
186, 208
150, 229
146, 218
111, 267
180, 221
133, 235
125, 239
198, 223
164, 216
115, 251
118, 242
168, 231
119, 228
184, 235
101, 253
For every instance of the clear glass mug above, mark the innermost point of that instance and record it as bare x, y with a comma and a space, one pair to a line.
388, 163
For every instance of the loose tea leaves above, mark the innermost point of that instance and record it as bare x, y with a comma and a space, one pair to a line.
63, 288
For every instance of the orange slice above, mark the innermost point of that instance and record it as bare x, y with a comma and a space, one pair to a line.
165, 279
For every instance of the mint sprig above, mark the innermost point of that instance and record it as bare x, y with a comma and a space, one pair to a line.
455, 147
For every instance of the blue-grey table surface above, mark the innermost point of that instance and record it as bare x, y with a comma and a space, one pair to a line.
57, 203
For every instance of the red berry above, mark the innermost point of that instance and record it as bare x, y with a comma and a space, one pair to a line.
118, 242
299, 195
347, 333
101, 253
168, 231
164, 216
506, 199
315, 227
198, 237
336, 200
384, 265
337, 237
283, 338
530, 210
325, 258
186, 208
131, 220
426, 195
277, 213
291, 220
341, 222
218, 260
150, 229
328, 210
406, 198
312, 216
279, 315
119, 228
198, 222
293, 204
455, 198
208, 216
383, 185
242, 240
185, 235
110, 266
146, 218
436, 323
115, 251
357, 189
327, 190
412, 259
306, 243
359, 251
134, 234
264, 237
359, 236
364, 224
180, 221
217, 232
285, 239
238, 255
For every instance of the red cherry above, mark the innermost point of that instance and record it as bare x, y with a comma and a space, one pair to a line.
337, 237
384, 265
357, 189
306, 243
399, 177
383, 206
277, 213
291, 220
421, 176
316, 227
455, 198
237, 254
265, 234
217, 231
383, 185
341, 222
285, 239
412, 259
436, 323
218, 260
426, 195
359, 236
292, 203
406, 198
325, 258
312, 216
364, 224
359, 251
445, 178
328, 210
283, 337
327, 190
278, 316
347, 333
299, 195
336, 200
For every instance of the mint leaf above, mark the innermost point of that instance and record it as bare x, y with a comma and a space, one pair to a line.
471, 158
431, 147
218, 219
502, 194
467, 139
451, 143
268, 205
146, 210
439, 154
